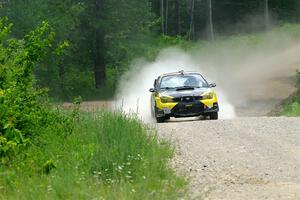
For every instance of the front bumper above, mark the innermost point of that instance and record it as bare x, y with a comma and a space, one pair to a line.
187, 109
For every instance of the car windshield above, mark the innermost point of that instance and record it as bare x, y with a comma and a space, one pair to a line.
178, 81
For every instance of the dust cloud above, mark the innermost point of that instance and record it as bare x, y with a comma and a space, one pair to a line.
134, 96
251, 78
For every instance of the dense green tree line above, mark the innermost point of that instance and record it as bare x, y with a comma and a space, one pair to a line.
103, 36
98, 34
194, 18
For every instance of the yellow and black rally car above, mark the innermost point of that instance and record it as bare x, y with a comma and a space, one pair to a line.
183, 94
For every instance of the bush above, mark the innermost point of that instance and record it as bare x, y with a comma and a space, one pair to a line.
292, 106
298, 81
23, 107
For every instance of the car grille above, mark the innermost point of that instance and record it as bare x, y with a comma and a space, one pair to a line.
181, 109
187, 99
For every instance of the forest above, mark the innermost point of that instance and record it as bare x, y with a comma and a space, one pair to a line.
100, 38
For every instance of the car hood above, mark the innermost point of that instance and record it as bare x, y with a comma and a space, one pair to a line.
183, 93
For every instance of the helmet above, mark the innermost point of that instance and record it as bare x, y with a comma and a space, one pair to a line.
191, 81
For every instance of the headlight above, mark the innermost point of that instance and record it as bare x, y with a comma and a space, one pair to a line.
208, 95
165, 99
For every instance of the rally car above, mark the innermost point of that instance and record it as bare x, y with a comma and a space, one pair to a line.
183, 94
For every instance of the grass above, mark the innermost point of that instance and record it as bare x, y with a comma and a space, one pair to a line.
292, 107
108, 156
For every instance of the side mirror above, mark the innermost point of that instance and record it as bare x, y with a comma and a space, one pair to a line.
152, 90
212, 85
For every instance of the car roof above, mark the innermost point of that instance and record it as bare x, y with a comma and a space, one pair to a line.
179, 73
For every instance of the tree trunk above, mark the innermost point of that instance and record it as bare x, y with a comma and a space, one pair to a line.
177, 18
167, 16
99, 63
267, 15
162, 16
192, 28
210, 21
61, 74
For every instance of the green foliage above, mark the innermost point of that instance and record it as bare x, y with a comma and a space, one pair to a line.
108, 156
74, 71
48, 153
23, 107
298, 80
105, 36
5, 28
48, 166
292, 106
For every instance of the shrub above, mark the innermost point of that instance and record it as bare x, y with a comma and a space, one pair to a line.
292, 105
23, 107
298, 81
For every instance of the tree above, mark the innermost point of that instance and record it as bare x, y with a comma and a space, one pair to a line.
108, 27
167, 16
210, 21
105, 35
266, 14
98, 32
192, 26
98, 57
53, 72
162, 14
177, 18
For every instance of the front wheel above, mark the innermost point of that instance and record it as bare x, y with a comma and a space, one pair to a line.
160, 119
213, 115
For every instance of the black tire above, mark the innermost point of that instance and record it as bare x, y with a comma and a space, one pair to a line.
160, 119
167, 117
213, 116
204, 117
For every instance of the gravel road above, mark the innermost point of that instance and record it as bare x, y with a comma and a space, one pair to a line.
242, 158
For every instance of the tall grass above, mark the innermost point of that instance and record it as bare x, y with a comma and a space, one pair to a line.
108, 156
291, 107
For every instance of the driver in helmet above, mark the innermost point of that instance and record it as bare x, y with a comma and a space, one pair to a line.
191, 82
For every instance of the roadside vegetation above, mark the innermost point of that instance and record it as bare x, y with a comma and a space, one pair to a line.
103, 156
51, 153
292, 106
